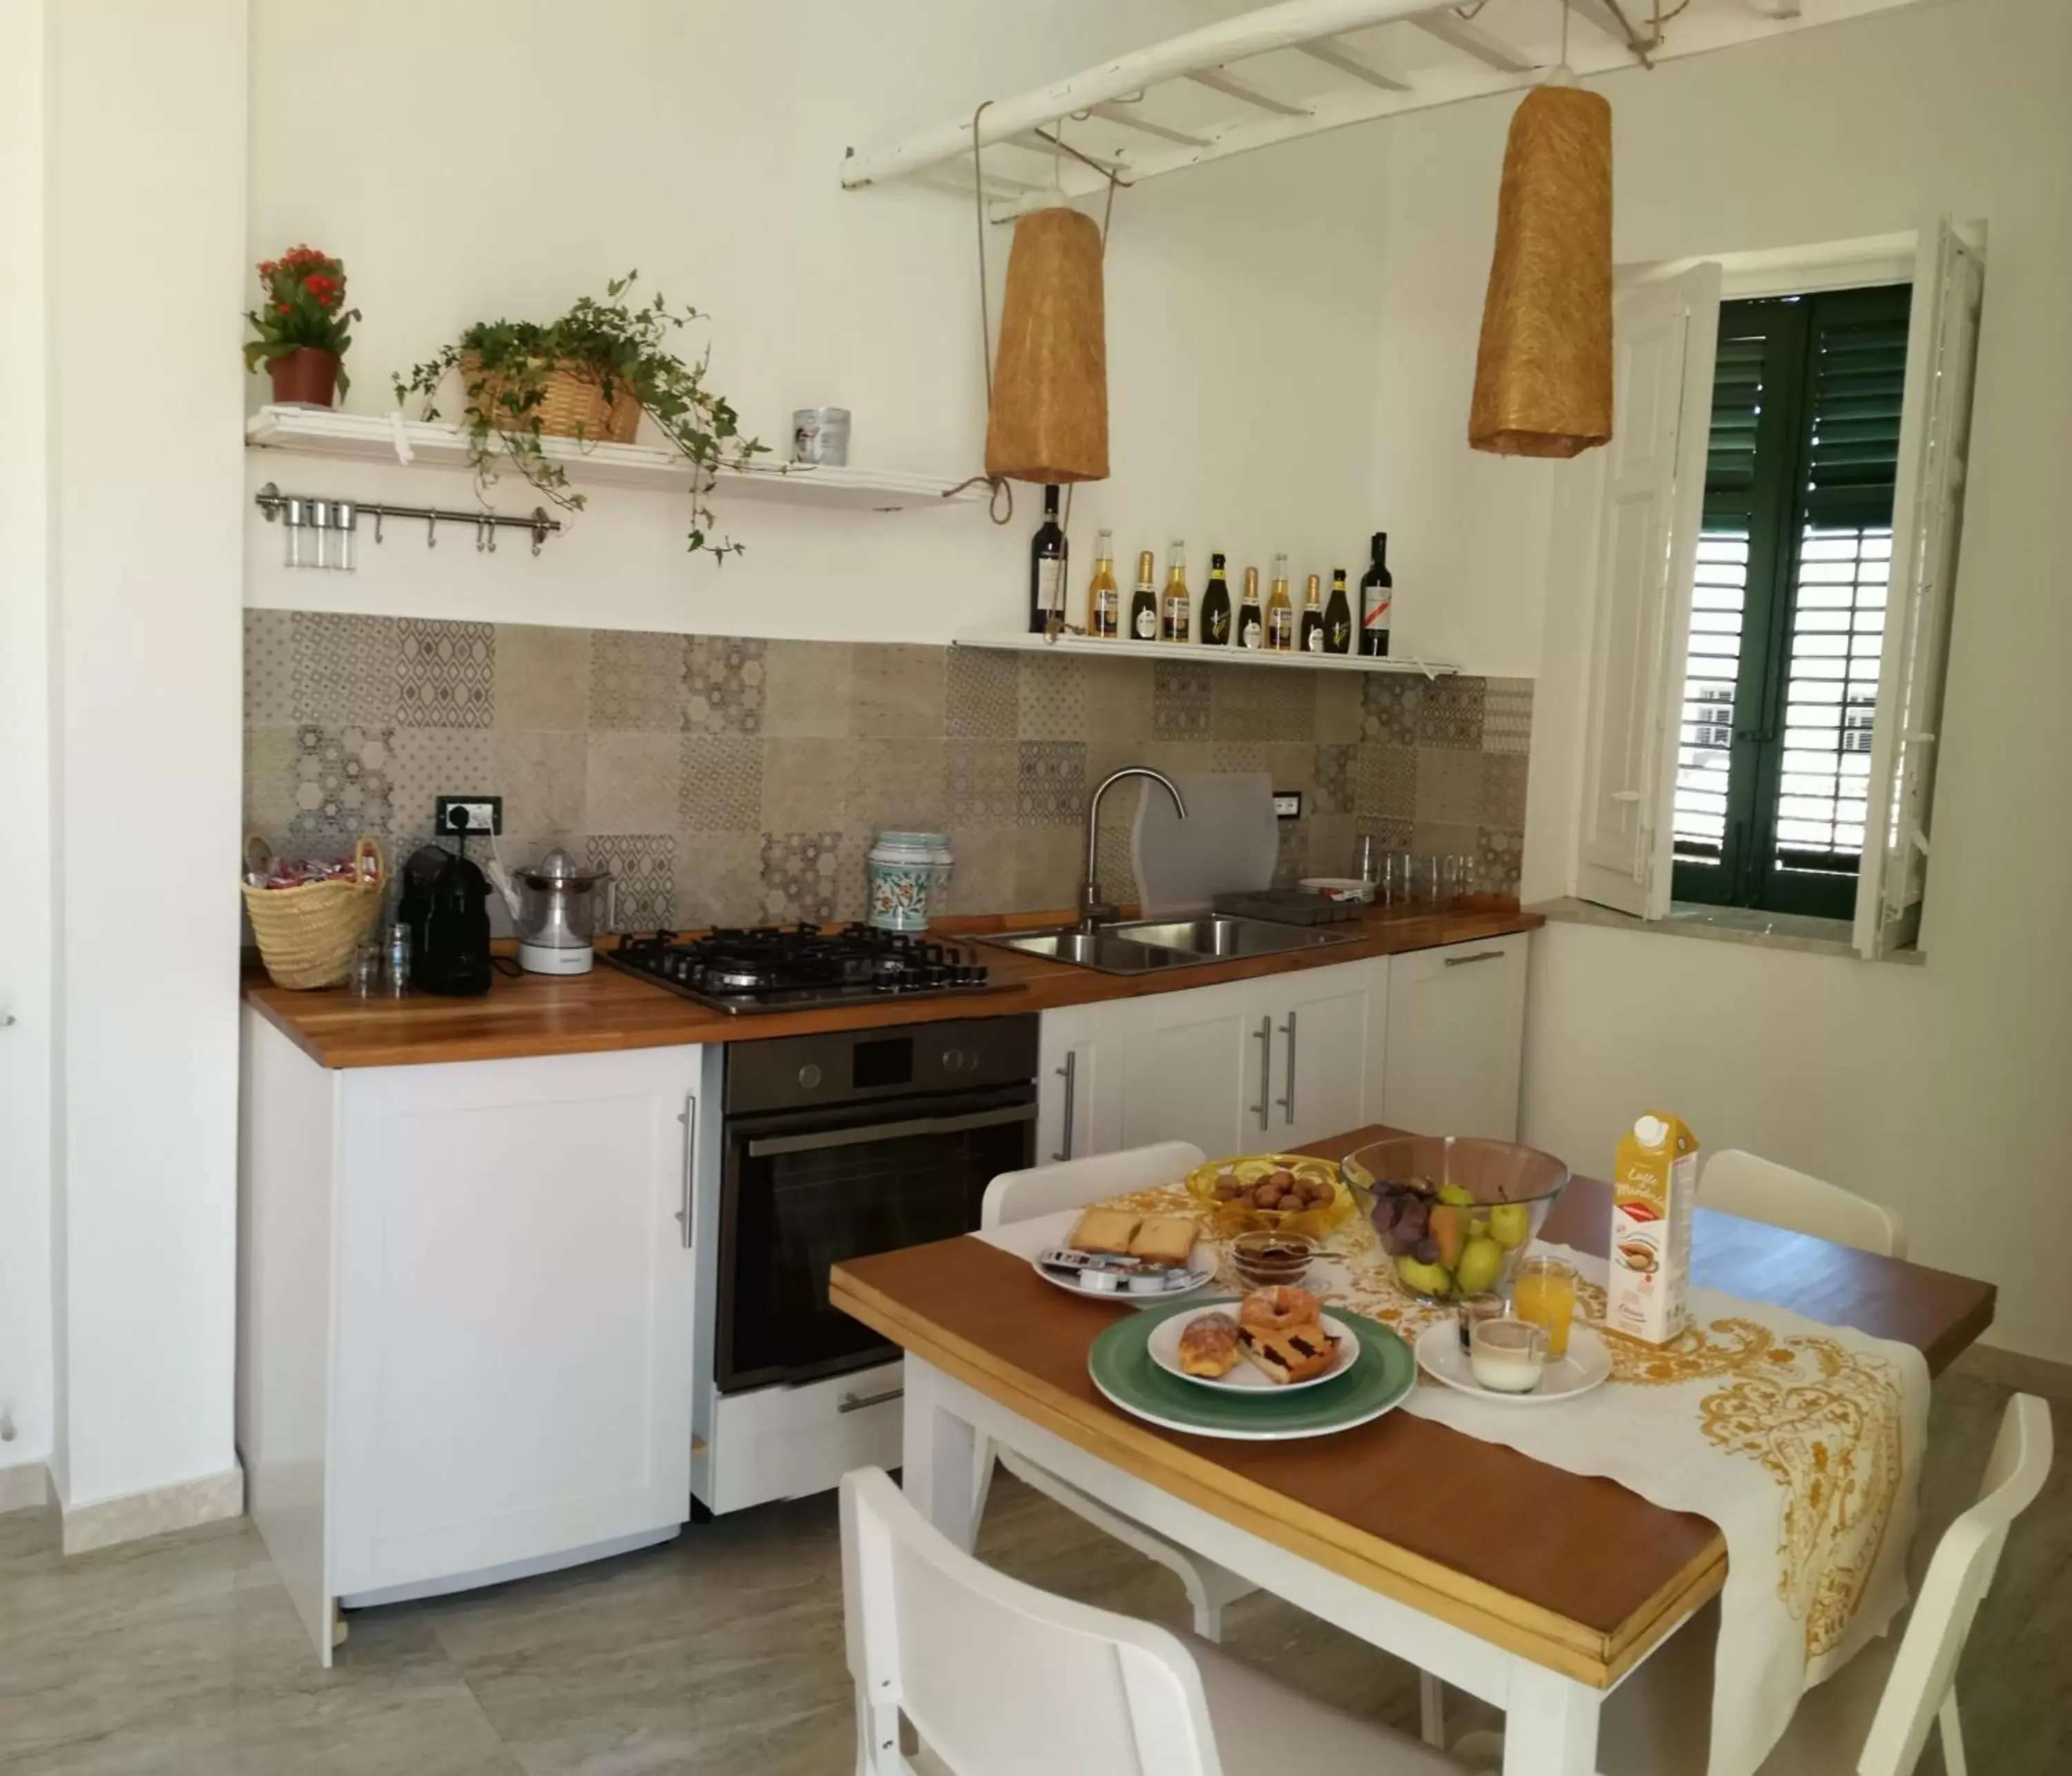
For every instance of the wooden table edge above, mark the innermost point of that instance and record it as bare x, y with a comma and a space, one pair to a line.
1544, 1636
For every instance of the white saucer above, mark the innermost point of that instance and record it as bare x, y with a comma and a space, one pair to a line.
1163, 1346
1587, 1365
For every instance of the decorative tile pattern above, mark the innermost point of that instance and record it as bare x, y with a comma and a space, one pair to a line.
807, 688
800, 873
1390, 833
721, 789
636, 681
1385, 784
1180, 700
1502, 797
542, 683
344, 669
635, 783
1052, 699
723, 678
1340, 696
1499, 853
1451, 713
341, 785
805, 784
981, 784
1050, 782
1263, 703
1508, 715
1390, 703
981, 694
1450, 785
1118, 699
444, 674
425, 763
898, 690
269, 668
894, 785
543, 779
721, 879
1238, 755
644, 866
1336, 766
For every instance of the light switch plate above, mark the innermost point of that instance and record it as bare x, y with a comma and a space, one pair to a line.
1287, 803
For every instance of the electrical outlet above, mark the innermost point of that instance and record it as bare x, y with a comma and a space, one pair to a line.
1288, 804
476, 816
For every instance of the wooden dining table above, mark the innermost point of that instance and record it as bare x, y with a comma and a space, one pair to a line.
1533, 1588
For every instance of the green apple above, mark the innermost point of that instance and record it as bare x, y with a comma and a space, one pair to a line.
1425, 1279
1510, 1224
1480, 1259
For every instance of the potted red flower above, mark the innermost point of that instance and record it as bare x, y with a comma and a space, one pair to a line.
300, 326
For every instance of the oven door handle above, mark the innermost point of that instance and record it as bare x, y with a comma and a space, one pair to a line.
889, 1130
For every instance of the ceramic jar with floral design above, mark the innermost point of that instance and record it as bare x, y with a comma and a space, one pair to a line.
908, 871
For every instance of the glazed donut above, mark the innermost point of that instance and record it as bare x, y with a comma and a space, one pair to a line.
1278, 1309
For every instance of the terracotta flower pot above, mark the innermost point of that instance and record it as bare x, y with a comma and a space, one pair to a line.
306, 377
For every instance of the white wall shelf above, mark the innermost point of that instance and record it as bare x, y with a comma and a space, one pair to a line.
1022, 643
325, 431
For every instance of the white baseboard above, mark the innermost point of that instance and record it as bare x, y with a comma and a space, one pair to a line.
24, 1487
2025, 1374
108, 1521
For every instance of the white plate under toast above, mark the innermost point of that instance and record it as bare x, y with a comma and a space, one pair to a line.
1200, 1272
1163, 1347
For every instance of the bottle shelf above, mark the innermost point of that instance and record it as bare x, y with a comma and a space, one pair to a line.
1025, 643
326, 431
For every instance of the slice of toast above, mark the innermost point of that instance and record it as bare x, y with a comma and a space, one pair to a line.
1164, 1239
1104, 1230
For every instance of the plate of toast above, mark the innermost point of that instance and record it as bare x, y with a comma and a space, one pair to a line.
1116, 1253
1275, 1339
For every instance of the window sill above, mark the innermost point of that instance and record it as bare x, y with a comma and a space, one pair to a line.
1798, 931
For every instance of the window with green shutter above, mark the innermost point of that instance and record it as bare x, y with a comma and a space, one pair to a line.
1788, 610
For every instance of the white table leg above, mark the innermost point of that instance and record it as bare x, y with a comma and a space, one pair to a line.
1550, 1724
937, 1457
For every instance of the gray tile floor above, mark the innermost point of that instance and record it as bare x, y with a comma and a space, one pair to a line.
723, 1652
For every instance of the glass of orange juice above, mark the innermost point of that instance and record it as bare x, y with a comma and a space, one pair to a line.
1543, 1290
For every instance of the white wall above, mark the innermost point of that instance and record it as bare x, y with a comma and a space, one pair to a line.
145, 107
477, 159
1938, 1089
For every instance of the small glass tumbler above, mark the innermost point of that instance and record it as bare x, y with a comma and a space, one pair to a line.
1395, 879
1471, 1310
1544, 1291
1428, 881
363, 975
1507, 1355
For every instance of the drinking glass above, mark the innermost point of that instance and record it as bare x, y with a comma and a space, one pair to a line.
1472, 1310
1395, 878
1544, 1291
363, 972
1427, 883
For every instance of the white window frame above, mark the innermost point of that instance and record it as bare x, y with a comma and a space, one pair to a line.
1627, 864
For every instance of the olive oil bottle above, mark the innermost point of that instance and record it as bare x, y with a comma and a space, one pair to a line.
1103, 599
1311, 641
1338, 616
1179, 614
1251, 619
1144, 604
1216, 606
1280, 612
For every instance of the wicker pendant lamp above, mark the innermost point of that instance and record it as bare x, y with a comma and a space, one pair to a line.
1544, 373
1049, 419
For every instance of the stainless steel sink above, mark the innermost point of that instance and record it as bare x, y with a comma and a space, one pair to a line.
1142, 946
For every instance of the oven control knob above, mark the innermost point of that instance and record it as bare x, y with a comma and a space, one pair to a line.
809, 1076
954, 1060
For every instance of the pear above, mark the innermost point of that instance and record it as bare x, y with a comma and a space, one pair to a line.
1510, 1224
1458, 1194
1425, 1279
1480, 1259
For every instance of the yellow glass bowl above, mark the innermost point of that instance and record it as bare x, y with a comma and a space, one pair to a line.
1227, 1218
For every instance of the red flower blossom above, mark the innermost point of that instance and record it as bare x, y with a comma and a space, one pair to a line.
324, 289
282, 308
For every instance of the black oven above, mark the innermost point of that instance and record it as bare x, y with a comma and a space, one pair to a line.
843, 1145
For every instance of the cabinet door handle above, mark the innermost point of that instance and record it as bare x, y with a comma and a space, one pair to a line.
856, 1403
687, 1201
1480, 955
1069, 1073
1288, 1103
1265, 1034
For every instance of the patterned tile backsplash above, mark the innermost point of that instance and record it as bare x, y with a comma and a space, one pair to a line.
726, 780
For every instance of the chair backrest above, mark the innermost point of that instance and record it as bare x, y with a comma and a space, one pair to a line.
1959, 1578
1044, 1189
998, 1677
1761, 1189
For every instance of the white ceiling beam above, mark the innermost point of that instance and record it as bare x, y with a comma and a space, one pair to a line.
1042, 145
1605, 15
1127, 115
1457, 33
1217, 81
1336, 55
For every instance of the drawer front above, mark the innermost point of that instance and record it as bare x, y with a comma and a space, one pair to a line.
789, 1442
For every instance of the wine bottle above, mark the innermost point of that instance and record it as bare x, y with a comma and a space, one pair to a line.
1251, 619
1377, 595
1338, 616
1216, 606
1047, 567
1312, 639
1102, 597
1280, 612
1178, 612
1144, 605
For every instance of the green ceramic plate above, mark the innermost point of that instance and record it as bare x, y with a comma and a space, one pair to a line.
1123, 1369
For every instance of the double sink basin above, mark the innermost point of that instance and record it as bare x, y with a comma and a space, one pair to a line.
1143, 946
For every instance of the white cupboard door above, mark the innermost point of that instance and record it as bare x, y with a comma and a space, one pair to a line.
514, 1311
1195, 1072
1455, 1036
1327, 1038
1079, 1083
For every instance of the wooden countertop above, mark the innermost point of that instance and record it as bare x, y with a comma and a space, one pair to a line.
605, 1010
1474, 1533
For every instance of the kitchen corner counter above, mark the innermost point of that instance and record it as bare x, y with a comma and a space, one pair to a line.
605, 1010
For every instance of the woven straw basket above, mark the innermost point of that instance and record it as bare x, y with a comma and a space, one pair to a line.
573, 406
307, 935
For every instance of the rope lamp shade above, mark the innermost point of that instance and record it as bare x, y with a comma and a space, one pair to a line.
1544, 375
1049, 421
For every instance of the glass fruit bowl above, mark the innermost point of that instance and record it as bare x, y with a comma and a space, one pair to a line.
1453, 1212
1291, 1193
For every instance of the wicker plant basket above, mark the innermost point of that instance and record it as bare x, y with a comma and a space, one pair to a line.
307, 935
573, 406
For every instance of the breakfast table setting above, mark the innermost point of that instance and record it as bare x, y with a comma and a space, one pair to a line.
1375, 1377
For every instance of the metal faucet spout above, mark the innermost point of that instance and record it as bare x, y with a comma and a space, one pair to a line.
1094, 911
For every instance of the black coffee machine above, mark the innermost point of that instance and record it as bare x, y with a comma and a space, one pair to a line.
445, 903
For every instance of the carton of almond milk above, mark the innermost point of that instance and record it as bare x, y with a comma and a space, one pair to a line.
1655, 1194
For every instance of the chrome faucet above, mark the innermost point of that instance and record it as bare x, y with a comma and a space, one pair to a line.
1094, 911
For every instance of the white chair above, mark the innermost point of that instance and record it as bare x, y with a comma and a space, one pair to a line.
1761, 1189
1045, 1190
1873, 1716
995, 1678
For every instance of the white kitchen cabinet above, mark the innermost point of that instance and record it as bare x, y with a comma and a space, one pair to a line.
1322, 1038
1192, 1069
467, 1315
1456, 1037
1079, 1080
